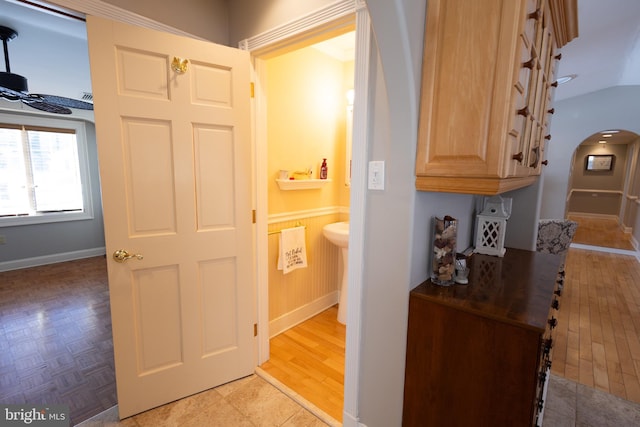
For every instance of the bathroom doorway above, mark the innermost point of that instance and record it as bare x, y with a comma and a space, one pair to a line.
307, 109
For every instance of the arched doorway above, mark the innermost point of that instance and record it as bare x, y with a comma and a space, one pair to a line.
601, 194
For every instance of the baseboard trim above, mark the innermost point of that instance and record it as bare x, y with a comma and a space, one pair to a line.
350, 421
616, 251
299, 315
594, 215
51, 259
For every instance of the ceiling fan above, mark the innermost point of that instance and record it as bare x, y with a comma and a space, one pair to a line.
13, 87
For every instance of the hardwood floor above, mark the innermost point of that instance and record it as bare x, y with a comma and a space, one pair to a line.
55, 337
309, 359
598, 337
598, 231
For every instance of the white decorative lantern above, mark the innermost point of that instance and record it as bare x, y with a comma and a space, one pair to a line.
492, 225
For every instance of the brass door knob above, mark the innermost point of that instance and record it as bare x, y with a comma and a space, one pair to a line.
122, 255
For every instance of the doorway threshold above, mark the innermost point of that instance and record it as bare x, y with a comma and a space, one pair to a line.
635, 254
326, 418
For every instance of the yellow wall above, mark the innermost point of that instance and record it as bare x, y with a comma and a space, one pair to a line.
306, 122
306, 116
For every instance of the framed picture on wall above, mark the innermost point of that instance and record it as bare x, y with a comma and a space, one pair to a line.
599, 162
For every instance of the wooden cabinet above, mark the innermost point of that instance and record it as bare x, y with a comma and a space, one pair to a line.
480, 354
487, 86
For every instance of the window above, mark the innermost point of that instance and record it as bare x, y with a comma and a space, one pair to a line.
43, 171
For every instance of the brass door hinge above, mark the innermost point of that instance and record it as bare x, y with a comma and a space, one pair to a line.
255, 329
253, 216
253, 90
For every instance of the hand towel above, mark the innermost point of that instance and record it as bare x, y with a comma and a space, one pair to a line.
293, 249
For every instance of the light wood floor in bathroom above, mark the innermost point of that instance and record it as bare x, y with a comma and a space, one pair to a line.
309, 359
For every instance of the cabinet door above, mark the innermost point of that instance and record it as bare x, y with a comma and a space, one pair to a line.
467, 89
525, 154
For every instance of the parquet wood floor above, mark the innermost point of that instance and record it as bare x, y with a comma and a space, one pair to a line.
598, 333
55, 337
309, 359
598, 231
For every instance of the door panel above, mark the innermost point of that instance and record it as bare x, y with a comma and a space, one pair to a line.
149, 179
214, 171
174, 153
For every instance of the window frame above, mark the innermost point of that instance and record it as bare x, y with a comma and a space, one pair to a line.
79, 127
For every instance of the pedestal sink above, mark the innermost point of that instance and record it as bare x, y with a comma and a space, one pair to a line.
338, 234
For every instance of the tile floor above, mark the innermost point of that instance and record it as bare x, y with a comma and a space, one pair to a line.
571, 404
250, 402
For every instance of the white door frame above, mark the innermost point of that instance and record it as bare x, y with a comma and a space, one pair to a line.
317, 25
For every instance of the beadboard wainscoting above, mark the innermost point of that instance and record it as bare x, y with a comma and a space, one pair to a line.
302, 293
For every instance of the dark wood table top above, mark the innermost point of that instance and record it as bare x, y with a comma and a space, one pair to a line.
517, 288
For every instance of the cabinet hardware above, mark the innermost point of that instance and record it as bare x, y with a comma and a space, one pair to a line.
555, 304
553, 322
547, 137
554, 84
519, 157
545, 162
551, 111
543, 377
534, 15
535, 157
529, 64
524, 111
558, 57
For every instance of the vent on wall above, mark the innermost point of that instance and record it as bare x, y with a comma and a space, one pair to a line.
87, 96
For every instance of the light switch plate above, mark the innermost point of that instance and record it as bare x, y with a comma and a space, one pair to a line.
376, 175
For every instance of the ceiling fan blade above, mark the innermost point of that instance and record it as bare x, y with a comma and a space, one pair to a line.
45, 106
65, 102
11, 94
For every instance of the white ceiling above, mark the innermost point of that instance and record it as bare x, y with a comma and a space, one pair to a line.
51, 51
607, 51
342, 47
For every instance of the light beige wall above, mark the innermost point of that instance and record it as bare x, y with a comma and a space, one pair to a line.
631, 218
595, 202
306, 116
208, 19
306, 122
601, 180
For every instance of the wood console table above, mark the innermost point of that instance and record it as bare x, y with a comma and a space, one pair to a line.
479, 354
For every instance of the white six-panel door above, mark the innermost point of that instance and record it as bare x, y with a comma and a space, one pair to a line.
174, 154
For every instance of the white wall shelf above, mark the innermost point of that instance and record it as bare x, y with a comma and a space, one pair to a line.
301, 184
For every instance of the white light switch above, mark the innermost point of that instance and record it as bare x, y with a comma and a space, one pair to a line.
376, 175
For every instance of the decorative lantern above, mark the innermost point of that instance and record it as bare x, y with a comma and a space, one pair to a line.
492, 226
